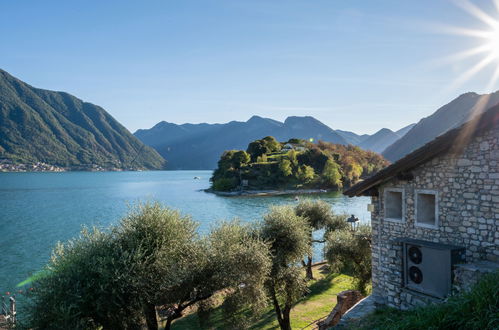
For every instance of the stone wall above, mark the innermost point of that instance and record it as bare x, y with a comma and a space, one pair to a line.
467, 186
467, 275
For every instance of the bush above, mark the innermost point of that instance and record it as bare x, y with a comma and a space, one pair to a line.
224, 184
350, 251
477, 309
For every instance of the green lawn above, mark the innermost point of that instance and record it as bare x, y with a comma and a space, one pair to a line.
315, 305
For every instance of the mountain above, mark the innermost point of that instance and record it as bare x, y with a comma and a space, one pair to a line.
403, 131
383, 138
351, 137
379, 140
38, 125
449, 116
199, 146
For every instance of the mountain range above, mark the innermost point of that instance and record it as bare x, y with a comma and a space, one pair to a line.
199, 146
38, 125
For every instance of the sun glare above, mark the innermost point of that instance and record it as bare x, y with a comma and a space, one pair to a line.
487, 53
493, 42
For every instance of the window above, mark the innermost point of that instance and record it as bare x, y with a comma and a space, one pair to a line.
394, 204
426, 208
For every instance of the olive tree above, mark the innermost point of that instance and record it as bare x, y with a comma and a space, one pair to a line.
114, 279
351, 250
153, 257
288, 236
231, 259
84, 287
162, 244
318, 215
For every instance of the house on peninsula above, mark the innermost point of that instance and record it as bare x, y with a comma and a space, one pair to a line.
435, 215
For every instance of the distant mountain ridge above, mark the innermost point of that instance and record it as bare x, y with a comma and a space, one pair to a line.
383, 138
38, 125
199, 146
453, 114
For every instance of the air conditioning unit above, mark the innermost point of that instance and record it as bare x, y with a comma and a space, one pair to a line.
428, 266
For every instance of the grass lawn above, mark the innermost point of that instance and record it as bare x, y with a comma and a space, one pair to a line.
315, 305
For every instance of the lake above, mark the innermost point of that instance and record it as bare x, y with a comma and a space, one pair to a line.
39, 209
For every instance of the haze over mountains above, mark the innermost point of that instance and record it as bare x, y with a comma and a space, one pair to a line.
38, 125
447, 117
57, 128
199, 146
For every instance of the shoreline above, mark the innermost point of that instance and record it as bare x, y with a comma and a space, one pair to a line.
267, 192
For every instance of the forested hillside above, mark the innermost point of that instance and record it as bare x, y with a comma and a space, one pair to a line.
295, 164
57, 128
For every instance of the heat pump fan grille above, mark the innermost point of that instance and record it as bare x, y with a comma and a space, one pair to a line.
415, 255
415, 275
428, 266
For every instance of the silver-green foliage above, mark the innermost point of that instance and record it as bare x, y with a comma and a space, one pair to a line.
154, 256
89, 285
288, 235
318, 215
351, 250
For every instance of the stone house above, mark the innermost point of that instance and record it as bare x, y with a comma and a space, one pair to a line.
293, 146
435, 215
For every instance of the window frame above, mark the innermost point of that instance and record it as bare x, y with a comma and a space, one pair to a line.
426, 192
400, 190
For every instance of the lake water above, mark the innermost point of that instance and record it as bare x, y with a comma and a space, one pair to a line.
39, 209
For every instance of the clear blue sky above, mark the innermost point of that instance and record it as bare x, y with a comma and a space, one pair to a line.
354, 65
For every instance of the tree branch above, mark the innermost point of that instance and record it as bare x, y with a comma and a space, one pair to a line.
318, 241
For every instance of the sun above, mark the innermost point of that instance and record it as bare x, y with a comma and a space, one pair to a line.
487, 51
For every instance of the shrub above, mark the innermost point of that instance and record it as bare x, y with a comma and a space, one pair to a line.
351, 250
224, 184
476, 309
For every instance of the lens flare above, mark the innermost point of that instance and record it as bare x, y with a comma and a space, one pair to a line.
487, 53
493, 42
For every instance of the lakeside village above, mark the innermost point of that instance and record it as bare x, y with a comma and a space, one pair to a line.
7, 165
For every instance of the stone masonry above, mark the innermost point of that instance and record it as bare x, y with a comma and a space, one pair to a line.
467, 187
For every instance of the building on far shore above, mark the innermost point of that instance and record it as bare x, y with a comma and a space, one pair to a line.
435, 215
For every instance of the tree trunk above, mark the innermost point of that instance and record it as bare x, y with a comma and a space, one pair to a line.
277, 308
286, 320
150, 315
310, 275
177, 312
168, 323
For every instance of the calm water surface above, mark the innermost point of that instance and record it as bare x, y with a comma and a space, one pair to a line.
39, 209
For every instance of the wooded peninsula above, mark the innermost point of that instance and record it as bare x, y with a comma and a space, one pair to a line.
294, 165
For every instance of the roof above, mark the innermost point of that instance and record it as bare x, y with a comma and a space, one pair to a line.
453, 141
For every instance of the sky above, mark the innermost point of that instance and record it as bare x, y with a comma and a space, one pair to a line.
355, 65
